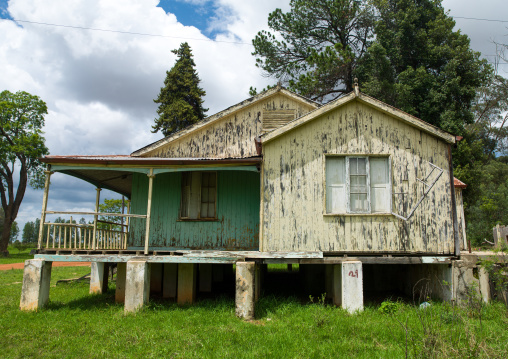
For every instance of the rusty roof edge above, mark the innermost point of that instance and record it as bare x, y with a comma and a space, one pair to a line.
226, 112
144, 161
458, 183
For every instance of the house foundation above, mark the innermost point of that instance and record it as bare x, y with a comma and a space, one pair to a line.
99, 273
347, 286
245, 296
36, 281
121, 272
137, 285
187, 274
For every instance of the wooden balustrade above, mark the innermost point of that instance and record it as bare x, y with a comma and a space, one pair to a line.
80, 236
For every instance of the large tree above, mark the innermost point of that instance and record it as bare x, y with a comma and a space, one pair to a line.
419, 64
180, 100
21, 146
316, 46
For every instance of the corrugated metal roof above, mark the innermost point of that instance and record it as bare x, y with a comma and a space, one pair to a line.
458, 183
127, 159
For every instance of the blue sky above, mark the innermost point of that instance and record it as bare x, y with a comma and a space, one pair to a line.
190, 14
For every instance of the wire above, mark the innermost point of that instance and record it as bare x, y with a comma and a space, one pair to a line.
477, 19
126, 32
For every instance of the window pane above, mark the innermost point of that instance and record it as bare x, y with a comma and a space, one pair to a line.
204, 195
204, 210
211, 210
380, 190
335, 184
359, 202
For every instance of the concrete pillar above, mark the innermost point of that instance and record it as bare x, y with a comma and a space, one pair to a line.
121, 271
36, 280
348, 286
205, 277
187, 273
484, 284
245, 297
462, 279
169, 280
137, 285
156, 277
99, 272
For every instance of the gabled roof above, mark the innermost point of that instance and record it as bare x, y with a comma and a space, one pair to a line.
458, 183
356, 95
214, 118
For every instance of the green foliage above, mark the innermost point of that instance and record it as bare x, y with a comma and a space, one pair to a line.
110, 206
21, 146
31, 231
14, 232
180, 100
388, 307
316, 46
420, 65
497, 267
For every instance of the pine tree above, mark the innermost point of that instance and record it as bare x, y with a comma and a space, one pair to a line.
180, 100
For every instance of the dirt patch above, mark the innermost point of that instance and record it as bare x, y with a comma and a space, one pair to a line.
55, 264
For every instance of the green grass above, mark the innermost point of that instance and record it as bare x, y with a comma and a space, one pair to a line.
76, 324
16, 256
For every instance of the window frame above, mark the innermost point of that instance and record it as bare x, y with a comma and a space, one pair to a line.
197, 200
347, 185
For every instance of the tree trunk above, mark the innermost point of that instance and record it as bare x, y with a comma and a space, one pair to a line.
4, 240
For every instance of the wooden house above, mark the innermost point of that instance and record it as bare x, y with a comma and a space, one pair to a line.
274, 179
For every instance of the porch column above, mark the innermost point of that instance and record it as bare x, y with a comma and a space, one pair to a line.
44, 207
245, 293
36, 280
99, 277
348, 286
137, 285
97, 199
149, 209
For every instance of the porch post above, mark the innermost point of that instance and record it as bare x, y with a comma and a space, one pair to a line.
44, 207
97, 199
149, 208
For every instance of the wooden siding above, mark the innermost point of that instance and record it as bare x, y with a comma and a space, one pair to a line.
232, 136
236, 227
461, 218
294, 189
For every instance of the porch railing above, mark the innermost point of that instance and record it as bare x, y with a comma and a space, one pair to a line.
67, 236
80, 236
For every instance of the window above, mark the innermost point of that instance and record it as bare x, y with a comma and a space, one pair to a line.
358, 185
199, 193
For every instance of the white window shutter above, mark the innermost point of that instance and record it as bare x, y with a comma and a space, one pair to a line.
335, 185
380, 185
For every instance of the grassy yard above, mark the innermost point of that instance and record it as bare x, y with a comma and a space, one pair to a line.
77, 324
16, 256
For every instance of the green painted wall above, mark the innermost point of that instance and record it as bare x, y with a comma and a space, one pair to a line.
237, 226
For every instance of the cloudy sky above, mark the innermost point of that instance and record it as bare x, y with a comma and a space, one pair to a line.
99, 64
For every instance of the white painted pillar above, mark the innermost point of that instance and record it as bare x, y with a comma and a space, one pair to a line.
36, 281
151, 176
99, 277
121, 272
44, 207
96, 217
245, 292
484, 284
137, 285
348, 286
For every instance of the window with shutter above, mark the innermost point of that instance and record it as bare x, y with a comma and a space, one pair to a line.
357, 184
